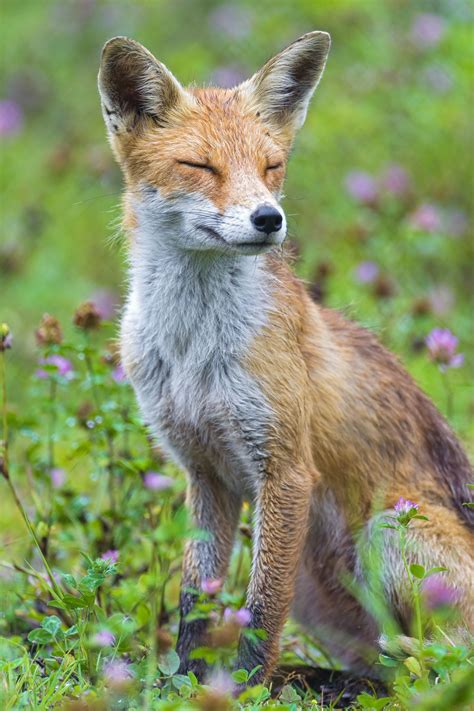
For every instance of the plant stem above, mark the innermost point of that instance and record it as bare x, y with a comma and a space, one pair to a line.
4, 412
415, 595
52, 424
449, 395
6, 474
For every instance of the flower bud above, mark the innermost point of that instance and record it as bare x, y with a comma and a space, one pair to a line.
49, 331
87, 317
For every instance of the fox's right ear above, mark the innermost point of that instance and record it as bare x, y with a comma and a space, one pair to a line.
133, 85
282, 89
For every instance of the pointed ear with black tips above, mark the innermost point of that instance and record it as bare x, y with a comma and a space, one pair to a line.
281, 91
133, 86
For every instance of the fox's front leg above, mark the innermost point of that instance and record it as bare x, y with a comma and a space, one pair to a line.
281, 520
215, 510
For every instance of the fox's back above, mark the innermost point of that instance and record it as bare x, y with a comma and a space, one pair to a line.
374, 435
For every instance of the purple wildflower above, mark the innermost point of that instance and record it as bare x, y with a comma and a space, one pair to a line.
118, 374
427, 29
11, 117
438, 78
437, 593
117, 673
104, 638
221, 682
426, 217
62, 365
362, 187
157, 481
58, 477
211, 586
227, 76
396, 180
366, 272
6, 338
457, 222
232, 20
404, 506
441, 299
241, 617
442, 344
106, 303
110, 556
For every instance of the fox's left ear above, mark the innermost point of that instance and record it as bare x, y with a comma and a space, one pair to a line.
282, 89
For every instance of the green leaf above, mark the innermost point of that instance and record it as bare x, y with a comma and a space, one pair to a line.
52, 625
209, 655
180, 680
40, 636
168, 663
73, 603
69, 580
387, 661
413, 665
436, 569
255, 670
288, 694
240, 676
194, 679
417, 570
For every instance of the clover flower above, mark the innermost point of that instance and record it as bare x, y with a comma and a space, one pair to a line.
58, 477
366, 272
104, 638
106, 303
11, 117
442, 344
118, 374
157, 482
405, 505
211, 586
63, 367
405, 510
111, 556
362, 187
437, 593
241, 617
49, 331
117, 673
231, 20
427, 29
87, 316
396, 180
426, 218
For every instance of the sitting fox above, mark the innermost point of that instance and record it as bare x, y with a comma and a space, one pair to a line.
256, 391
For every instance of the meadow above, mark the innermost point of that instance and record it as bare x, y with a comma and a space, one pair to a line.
379, 200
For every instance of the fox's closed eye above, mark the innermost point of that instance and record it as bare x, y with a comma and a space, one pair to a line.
274, 166
199, 166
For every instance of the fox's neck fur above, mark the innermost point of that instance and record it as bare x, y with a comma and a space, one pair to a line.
195, 304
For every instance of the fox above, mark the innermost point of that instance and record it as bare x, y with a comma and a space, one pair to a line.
259, 393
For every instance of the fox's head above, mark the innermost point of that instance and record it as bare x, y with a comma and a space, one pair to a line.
204, 168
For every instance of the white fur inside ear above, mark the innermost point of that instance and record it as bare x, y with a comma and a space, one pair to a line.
282, 89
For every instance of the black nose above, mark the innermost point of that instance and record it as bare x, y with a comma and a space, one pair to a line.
266, 219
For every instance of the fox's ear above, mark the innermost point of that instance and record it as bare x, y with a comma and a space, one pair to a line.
282, 89
134, 85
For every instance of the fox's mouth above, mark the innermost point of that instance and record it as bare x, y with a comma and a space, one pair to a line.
253, 247
212, 233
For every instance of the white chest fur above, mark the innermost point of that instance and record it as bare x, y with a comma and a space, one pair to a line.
189, 321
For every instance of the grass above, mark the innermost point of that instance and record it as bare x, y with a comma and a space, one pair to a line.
79, 459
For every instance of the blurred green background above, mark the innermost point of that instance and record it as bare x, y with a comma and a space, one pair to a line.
379, 191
